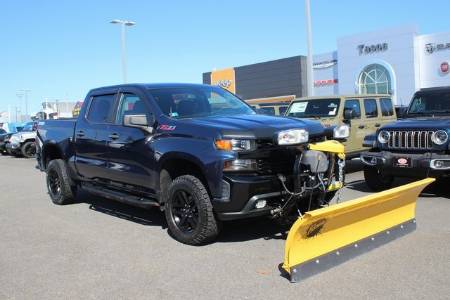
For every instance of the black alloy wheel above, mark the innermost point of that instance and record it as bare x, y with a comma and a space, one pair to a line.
184, 212
54, 184
189, 212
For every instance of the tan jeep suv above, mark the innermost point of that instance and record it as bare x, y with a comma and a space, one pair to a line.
363, 113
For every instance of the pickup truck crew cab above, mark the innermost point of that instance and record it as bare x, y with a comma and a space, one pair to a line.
196, 151
416, 146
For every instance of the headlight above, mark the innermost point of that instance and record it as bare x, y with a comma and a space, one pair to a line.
293, 136
235, 145
440, 137
383, 137
341, 132
240, 165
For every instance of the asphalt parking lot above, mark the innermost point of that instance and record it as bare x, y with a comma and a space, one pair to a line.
100, 249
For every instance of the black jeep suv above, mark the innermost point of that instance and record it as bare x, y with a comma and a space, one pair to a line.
416, 146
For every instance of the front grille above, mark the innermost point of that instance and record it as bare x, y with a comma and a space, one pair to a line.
415, 140
271, 166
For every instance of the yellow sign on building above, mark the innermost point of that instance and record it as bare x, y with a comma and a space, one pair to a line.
224, 78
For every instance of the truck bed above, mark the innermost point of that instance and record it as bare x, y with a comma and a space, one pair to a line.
56, 130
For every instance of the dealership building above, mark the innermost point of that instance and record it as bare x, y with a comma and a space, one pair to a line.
397, 61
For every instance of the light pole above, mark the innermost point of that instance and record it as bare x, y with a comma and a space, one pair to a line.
123, 23
309, 64
19, 95
25, 93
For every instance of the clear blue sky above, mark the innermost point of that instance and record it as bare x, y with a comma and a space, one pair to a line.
61, 49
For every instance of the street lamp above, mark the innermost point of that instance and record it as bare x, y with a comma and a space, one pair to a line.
309, 64
123, 23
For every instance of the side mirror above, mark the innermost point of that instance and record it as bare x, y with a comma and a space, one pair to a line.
348, 114
400, 112
139, 121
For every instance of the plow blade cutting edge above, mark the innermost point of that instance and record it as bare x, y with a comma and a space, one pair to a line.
325, 237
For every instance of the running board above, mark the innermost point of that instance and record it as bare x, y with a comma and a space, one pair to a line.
119, 196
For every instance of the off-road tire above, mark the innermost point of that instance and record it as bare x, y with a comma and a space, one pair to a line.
24, 150
377, 180
207, 227
64, 193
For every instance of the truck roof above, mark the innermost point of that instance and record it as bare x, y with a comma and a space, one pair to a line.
149, 86
435, 89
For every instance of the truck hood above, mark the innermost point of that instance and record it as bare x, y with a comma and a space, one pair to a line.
420, 123
252, 126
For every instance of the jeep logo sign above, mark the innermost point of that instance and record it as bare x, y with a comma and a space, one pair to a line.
369, 49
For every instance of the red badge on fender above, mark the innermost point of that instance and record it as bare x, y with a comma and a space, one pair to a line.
167, 127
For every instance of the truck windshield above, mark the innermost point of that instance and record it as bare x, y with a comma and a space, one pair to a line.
28, 127
202, 101
317, 108
431, 104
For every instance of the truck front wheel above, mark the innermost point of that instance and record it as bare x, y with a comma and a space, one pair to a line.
58, 183
189, 212
377, 180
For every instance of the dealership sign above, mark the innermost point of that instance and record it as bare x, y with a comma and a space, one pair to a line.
370, 49
325, 82
225, 83
432, 47
325, 64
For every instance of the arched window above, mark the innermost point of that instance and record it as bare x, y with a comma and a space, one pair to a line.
374, 79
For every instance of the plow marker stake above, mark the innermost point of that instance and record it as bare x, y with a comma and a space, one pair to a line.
325, 237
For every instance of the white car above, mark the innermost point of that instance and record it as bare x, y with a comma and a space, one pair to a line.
23, 143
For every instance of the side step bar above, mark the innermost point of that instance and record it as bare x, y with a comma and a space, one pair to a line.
119, 196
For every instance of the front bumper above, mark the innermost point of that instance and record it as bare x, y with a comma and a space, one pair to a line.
13, 147
419, 166
245, 192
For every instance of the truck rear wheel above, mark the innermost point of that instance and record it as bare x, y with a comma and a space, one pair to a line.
58, 183
377, 180
28, 149
189, 212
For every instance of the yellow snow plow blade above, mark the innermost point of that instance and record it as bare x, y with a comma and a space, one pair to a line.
328, 236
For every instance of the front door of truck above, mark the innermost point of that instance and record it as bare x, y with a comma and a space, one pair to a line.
91, 134
131, 157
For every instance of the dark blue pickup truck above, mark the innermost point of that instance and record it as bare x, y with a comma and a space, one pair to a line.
417, 146
196, 151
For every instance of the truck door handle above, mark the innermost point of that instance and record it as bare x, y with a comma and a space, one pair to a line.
114, 136
361, 126
377, 125
80, 133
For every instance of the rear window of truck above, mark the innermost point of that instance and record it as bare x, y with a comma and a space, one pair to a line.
100, 108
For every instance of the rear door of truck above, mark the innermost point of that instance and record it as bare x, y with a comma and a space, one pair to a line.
92, 135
